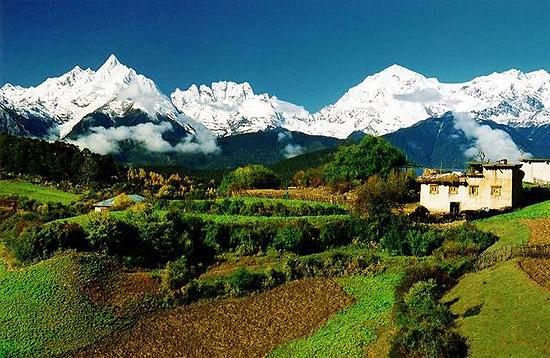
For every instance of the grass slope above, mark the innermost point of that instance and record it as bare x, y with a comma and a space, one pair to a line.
43, 311
349, 332
503, 312
510, 227
514, 314
37, 192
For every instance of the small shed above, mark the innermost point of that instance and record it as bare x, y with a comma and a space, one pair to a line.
108, 203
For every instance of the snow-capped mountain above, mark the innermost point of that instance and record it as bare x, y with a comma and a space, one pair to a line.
229, 108
398, 98
113, 90
383, 103
116, 103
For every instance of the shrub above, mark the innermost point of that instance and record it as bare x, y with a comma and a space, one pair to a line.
41, 242
245, 240
422, 241
394, 238
249, 177
332, 263
239, 283
335, 233
243, 281
177, 274
425, 325
289, 239
112, 236
216, 237
122, 202
469, 234
158, 241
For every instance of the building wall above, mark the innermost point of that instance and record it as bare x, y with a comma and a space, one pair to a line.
536, 172
506, 179
440, 202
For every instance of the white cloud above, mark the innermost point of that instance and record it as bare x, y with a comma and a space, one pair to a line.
291, 150
284, 136
425, 95
106, 140
495, 144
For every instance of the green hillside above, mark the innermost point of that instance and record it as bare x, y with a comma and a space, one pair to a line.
36, 192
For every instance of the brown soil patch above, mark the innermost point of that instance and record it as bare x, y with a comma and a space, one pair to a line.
246, 327
122, 289
540, 230
538, 270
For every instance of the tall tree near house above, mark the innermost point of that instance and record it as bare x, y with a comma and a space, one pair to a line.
357, 162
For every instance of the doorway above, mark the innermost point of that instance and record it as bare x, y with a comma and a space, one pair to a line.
455, 208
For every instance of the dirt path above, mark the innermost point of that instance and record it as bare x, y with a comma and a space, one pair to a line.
248, 327
538, 269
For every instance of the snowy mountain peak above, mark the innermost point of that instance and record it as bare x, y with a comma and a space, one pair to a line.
398, 71
113, 89
397, 97
111, 62
229, 108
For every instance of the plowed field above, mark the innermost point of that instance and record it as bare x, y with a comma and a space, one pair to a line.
538, 269
247, 327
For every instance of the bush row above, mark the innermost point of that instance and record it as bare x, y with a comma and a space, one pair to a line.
257, 207
149, 238
402, 237
242, 281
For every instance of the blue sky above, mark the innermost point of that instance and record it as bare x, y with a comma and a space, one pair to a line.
306, 52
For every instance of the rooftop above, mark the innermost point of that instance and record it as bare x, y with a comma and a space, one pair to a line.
109, 202
534, 160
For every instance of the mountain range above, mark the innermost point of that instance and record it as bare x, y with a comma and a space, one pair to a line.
107, 109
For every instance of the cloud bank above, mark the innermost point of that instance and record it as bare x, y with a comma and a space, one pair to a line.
495, 144
425, 95
106, 140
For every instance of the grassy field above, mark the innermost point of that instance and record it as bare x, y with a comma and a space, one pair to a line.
43, 311
508, 314
349, 332
502, 311
37, 192
511, 228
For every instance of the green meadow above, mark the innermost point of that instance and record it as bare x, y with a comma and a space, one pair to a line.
36, 192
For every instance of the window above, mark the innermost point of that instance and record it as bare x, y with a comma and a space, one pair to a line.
434, 189
496, 190
453, 190
474, 190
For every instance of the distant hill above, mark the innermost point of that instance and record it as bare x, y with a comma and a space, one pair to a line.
265, 148
286, 168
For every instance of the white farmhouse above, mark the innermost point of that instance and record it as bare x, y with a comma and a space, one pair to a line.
483, 186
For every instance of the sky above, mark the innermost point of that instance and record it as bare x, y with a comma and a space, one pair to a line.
305, 52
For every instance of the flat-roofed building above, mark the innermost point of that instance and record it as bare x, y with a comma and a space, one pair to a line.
483, 186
